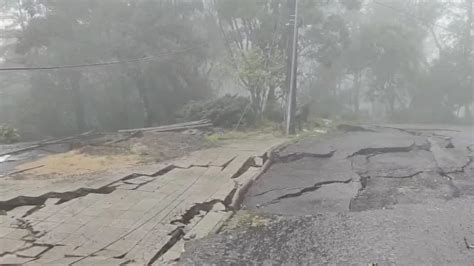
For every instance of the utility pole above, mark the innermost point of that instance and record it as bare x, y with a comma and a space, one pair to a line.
468, 57
292, 67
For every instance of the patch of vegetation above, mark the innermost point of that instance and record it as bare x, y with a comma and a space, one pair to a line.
262, 128
226, 112
8, 134
247, 219
231, 135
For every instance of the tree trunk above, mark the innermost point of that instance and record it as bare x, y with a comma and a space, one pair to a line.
270, 100
135, 74
79, 109
356, 91
147, 112
292, 63
468, 57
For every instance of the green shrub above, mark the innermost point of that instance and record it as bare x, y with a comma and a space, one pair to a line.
8, 134
223, 112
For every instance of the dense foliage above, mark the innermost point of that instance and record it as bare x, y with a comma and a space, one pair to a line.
8, 134
388, 60
227, 111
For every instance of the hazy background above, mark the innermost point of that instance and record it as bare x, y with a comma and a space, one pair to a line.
407, 61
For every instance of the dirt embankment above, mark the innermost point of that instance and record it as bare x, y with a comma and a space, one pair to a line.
108, 152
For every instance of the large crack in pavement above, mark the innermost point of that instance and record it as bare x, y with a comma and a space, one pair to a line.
419, 131
274, 190
32, 233
403, 176
461, 170
39, 201
451, 179
428, 132
194, 211
307, 190
404, 130
130, 182
30, 239
206, 207
62, 196
288, 158
370, 152
16, 252
176, 235
363, 180
250, 162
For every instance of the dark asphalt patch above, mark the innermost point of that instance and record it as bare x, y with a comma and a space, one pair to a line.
415, 234
392, 196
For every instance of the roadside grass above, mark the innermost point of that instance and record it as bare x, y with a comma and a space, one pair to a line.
264, 128
247, 219
313, 128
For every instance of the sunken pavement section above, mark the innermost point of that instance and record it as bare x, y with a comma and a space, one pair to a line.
141, 215
377, 194
364, 168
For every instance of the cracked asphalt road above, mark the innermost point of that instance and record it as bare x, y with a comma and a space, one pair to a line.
377, 194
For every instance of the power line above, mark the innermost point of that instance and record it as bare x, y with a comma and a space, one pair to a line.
413, 16
148, 58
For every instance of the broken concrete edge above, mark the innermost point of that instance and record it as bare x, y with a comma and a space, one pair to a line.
231, 203
37, 202
243, 188
177, 235
218, 227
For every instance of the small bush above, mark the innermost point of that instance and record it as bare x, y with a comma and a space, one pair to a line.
223, 112
8, 134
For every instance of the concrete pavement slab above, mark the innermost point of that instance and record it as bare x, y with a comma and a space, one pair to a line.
136, 214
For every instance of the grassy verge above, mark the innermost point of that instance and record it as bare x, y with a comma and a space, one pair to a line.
314, 128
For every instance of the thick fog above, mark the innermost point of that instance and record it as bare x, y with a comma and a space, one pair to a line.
71, 66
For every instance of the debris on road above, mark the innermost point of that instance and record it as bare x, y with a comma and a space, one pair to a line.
174, 127
81, 137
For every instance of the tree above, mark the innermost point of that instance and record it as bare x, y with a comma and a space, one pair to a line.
83, 32
325, 43
254, 35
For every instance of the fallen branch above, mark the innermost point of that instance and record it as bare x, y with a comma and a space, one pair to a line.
46, 143
132, 135
173, 127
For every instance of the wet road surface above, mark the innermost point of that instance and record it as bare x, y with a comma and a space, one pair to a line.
374, 194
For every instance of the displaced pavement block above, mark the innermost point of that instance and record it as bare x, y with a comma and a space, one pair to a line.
140, 216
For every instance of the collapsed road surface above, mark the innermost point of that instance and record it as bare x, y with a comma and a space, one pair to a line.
361, 195
141, 214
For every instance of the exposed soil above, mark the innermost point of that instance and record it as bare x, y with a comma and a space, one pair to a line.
108, 152
77, 163
165, 145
